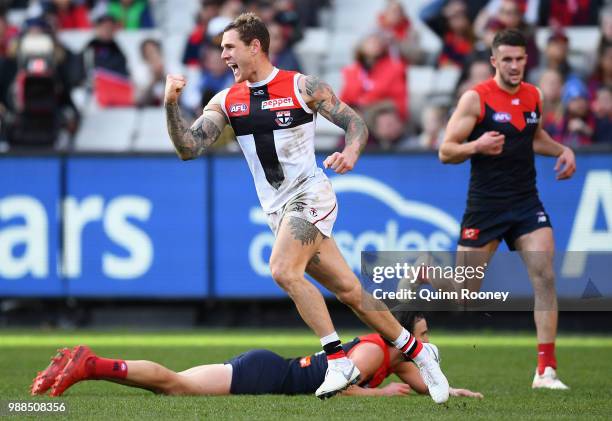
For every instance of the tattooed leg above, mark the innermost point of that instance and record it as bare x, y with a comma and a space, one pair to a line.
303, 231
315, 260
297, 243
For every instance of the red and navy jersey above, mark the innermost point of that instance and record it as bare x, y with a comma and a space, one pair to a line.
384, 370
306, 374
497, 182
275, 129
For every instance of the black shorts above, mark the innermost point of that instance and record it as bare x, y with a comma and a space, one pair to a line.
481, 227
258, 372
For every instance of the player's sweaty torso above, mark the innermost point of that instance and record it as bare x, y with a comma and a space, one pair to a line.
275, 129
497, 182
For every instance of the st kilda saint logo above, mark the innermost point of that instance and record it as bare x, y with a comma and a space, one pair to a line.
283, 118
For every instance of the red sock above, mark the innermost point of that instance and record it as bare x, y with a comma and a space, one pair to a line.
336, 355
101, 368
546, 357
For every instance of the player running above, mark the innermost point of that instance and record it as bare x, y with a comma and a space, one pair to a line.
255, 372
272, 113
497, 125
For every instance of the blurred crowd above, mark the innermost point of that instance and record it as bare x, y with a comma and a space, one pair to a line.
39, 74
577, 107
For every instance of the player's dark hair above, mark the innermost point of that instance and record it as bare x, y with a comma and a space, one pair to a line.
510, 37
407, 319
250, 27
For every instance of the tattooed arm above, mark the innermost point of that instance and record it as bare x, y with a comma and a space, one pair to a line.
190, 142
320, 97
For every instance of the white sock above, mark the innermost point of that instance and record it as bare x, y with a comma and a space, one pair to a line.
405, 341
403, 338
332, 337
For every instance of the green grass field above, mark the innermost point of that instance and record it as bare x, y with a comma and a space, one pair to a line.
499, 366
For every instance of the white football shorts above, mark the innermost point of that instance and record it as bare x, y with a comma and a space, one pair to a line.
317, 205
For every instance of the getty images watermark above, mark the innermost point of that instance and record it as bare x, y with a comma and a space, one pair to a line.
478, 281
411, 277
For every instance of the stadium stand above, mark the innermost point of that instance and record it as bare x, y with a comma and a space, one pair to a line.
322, 50
150, 133
107, 130
129, 41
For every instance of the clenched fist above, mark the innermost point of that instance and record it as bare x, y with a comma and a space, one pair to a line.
490, 143
174, 86
341, 162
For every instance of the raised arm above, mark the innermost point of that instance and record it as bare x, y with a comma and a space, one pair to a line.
545, 145
320, 97
191, 141
454, 149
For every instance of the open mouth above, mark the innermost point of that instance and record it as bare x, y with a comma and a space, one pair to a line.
233, 67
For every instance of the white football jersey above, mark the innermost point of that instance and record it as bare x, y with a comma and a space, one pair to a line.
276, 130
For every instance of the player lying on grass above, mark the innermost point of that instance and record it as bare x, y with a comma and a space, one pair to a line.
255, 372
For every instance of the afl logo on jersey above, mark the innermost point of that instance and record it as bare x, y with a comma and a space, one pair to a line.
502, 117
283, 118
238, 109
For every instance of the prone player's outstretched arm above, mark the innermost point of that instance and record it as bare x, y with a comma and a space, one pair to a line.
454, 149
545, 145
191, 141
410, 375
321, 98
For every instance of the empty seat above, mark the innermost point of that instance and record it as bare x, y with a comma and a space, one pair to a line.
341, 49
445, 80
353, 16
76, 40
312, 49
106, 130
335, 80
173, 46
151, 134
420, 79
421, 83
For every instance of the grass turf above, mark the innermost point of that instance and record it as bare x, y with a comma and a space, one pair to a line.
499, 366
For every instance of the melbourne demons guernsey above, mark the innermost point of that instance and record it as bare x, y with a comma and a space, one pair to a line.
306, 374
497, 182
275, 129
